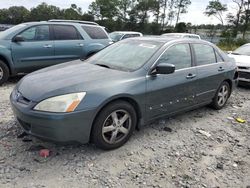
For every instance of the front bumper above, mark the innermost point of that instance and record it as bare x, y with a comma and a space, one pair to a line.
244, 74
64, 127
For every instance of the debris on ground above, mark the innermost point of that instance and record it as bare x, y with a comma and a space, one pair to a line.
167, 129
240, 120
44, 153
205, 133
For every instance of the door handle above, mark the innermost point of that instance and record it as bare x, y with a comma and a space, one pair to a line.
191, 76
80, 45
47, 46
221, 69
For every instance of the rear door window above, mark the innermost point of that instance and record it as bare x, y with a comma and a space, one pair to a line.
95, 32
66, 32
204, 54
178, 55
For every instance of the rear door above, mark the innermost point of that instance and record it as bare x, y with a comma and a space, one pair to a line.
211, 69
36, 51
69, 44
174, 92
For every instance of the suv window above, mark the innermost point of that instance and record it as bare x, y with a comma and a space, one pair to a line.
95, 32
204, 54
173, 54
66, 32
36, 33
130, 36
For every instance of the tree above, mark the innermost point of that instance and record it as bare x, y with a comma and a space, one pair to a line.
216, 8
72, 13
235, 20
181, 27
45, 12
181, 6
246, 17
14, 15
104, 9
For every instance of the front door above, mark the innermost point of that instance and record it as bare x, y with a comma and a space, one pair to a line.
174, 92
36, 51
69, 44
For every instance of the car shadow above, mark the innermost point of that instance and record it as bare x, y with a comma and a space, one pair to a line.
13, 80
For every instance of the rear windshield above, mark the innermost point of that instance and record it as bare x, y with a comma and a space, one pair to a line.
95, 32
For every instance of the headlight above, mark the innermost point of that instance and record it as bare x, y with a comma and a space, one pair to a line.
62, 103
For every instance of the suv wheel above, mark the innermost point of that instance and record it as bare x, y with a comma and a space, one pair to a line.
4, 72
221, 96
114, 125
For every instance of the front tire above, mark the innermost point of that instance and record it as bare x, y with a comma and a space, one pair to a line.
4, 72
114, 125
221, 96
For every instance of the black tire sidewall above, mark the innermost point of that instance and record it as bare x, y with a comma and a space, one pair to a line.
215, 100
96, 135
6, 73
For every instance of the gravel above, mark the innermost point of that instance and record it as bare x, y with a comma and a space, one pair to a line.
201, 148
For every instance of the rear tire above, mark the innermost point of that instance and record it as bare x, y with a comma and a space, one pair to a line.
221, 97
114, 125
4, 72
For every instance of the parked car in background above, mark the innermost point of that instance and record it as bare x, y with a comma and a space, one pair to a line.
35, 45
182, 35
242, 58
4, 27
122, 87
120, 35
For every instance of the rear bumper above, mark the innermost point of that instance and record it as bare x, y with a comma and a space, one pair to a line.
66, 127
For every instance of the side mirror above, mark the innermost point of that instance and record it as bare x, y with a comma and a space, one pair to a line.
18, 38
163, 68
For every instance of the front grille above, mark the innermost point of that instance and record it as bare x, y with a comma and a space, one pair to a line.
245, 75
23, 100
245, 68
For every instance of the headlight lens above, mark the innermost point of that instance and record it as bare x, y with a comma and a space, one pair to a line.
62, 103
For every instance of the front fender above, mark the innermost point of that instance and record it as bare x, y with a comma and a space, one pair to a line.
5, 54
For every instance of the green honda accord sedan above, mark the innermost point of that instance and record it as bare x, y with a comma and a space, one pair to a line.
123, 87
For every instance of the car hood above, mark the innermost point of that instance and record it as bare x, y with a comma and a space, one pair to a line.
241, 60
76, 76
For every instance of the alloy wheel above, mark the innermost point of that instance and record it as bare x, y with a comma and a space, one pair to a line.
223, 95
116, 126
1, 73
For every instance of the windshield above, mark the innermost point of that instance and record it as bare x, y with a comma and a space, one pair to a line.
243, 50
127, 55
10, 30
115, 36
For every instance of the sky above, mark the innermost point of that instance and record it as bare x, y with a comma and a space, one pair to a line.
195, 13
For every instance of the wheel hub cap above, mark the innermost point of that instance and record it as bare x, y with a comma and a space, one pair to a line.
1, 73
116, 127
223, 95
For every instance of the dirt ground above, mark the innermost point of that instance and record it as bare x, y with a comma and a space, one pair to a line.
202, 148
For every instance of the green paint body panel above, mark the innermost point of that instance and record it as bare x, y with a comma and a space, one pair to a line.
154, 96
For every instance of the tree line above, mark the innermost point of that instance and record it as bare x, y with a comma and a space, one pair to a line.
147, 16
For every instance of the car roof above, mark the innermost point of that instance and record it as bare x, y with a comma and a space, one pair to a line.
166, 39
127, 32
60, 23
182, 34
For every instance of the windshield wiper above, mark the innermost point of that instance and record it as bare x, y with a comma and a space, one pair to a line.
235, 53
103, 65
